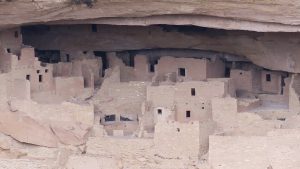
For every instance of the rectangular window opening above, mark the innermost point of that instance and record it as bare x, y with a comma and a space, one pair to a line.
68, 57
268, 77
110, 118
151, 68
282, 84
16, 34
8, 50
46, 70
122, 118
40, 78
227, 72
188, 114
27, 77
159, 111
131, 61
94, 28
193, 91
181, 71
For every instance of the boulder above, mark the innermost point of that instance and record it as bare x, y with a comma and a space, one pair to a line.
70, 133
26, 130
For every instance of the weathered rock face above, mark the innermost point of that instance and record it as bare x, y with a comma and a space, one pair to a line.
264, 15
264, 49
27, 130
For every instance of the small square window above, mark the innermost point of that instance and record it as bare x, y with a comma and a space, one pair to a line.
46, 70
38, 71
193, 91
84, 52
188, 114
159, 111
8, 50
268, 77
181, 71
27, 77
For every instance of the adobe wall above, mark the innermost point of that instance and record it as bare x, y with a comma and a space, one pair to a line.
177, 140
5, 90
206, 128
95, 66
179, 102
120, 99
162, 114
127, 73
243, 79
89, 68
120, 129
205, 89
75, 54
21, 89
229, 83
88, 77
142, 68
195, 69
161, 96
272, 86
294, 93
215, 68
11, 39
68, 86
257, 82
5, 61
28, 67
199, 109
62, 69
224, 112
182, 140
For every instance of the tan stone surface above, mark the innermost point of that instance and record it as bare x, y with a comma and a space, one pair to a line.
64, 112
224, 112
238, 152
279, 149
27, 130
70, 133
24, 164
176, 140
260, 15
91, 162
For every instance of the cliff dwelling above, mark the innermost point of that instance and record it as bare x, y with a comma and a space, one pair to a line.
136, 85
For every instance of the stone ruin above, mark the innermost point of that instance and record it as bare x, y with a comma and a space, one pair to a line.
155, 92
